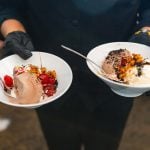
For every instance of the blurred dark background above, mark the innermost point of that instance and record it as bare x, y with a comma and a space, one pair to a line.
25, 133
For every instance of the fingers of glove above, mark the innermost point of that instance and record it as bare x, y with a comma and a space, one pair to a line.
20, 37
26, 41
28, 44
20, 43
18, 49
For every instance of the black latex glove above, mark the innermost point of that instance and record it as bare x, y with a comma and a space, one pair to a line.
141, 37
19, 43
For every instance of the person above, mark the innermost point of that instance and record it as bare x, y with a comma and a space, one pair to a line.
89, 115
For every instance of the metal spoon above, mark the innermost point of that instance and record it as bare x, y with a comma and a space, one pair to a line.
81, 55
100, 70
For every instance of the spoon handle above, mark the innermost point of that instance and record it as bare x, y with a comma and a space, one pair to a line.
81, 55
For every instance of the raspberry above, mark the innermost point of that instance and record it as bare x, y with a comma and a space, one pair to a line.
8, 80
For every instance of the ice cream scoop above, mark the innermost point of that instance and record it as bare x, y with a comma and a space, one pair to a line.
27, 88
130, 68
113, 60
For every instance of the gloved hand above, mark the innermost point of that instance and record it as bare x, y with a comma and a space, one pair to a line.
141, 37
18, 42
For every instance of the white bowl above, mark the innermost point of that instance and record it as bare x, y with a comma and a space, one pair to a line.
99, 53
51, 62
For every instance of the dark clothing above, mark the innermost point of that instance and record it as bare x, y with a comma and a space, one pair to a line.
89, 113
81, 24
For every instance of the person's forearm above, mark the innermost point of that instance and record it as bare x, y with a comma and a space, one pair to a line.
11, 25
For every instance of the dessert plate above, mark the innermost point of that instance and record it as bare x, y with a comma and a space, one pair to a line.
99, 53
51, 62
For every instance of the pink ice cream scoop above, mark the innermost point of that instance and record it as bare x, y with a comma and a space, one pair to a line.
113, 60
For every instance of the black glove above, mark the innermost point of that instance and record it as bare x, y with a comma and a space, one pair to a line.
18, 42
141, 37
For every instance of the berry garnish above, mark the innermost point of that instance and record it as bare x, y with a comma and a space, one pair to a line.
8, 80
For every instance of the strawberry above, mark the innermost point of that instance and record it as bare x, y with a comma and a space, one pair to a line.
8, 80
51, 80
44, 78
49, 90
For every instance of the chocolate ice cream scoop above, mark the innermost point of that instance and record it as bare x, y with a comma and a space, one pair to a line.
113, 60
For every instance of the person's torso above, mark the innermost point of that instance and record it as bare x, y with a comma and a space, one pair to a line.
81, 24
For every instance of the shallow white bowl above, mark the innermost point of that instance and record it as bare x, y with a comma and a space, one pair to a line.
51, 62
99, 53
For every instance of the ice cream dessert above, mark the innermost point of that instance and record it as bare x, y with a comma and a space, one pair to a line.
123, 66
27, 89
30, 84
